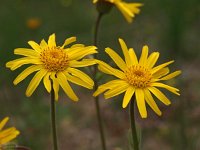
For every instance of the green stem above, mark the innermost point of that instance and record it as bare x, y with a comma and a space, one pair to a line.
133, 126
96, 86
53, 120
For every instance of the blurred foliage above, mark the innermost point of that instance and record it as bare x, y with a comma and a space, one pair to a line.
171, 27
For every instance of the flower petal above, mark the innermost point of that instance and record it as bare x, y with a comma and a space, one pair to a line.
144, 55
157, 68
26, 73
82, 75
26, 52
55, 85
62, 80
35, 82
109, 70
3, 122
82, 63
52, 40
171, 75
43, 44
152, 59
125, 52
139, 93
69, 41
128, 95
133, 57
116, 58
150, 101
47, 82
160, 95
35, 46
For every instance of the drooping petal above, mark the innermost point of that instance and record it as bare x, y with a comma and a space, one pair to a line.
144, 55
55, 85
52, 41
103, 67
82, 75
128, 95
47, 82
69, 41
77, 81
26, 73
109, 85
171, 89
159, 95
116, 91
26, 52
125, 52
35, 82
150, 101
62, 80
139, 93
133, 57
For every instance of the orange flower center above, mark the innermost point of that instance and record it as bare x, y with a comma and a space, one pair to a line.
138, 76
55, 59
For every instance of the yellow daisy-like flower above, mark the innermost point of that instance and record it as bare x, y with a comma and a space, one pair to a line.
127, 9
8, 134
54, 63
137, 78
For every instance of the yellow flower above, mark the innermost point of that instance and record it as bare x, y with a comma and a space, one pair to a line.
54, 63
127, 9
7, 134
138, 78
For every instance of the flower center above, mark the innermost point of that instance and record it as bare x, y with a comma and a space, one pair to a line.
54, 59
138, 76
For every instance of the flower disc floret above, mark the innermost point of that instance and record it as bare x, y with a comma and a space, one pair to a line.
138, 76
54, 59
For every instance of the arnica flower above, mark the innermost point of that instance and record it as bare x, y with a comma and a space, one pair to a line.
55, 64
8, 134
129, 10
137, 78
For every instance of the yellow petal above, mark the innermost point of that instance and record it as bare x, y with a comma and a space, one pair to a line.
125, 52
161, 73
47, 82
52, 40
3, 122
144, 55
157, 68
160, 95
133, 57
171, 75
150, 101
152, 59
69, 41
43, 44
82, 63
139, 93
128, 95
35, 82
62, 80
171, 89
109, 70
116, 91
26, 52
26, 73
116, 58
78, 81
35, 46
80, 74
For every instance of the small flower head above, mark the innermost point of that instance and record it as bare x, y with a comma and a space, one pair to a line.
7, 135
129, 10
137, 78
56, 64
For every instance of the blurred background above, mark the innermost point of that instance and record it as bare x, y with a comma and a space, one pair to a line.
170, 27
